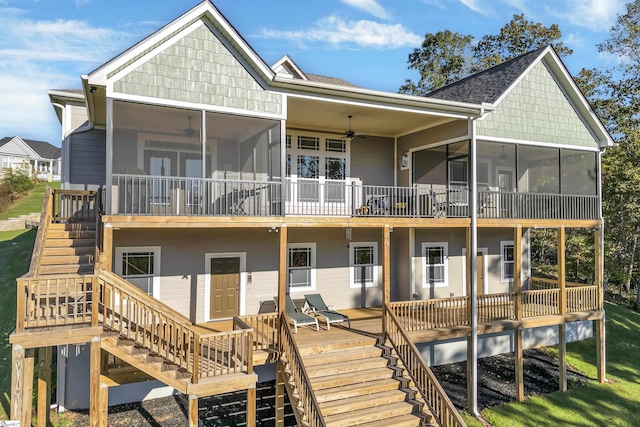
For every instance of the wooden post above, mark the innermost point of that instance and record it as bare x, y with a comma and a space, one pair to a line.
282, 270
279, 396
17, 381
562, 269
44, 385
193, 410
251, 405
104, 405
386, 272
517, 271
601, 357
107, 247
519, 364
94, 382
471, 385
27, 389
562, 345
21, 304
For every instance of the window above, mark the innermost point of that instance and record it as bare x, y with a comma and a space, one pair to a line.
301, 264
308, 143
434, 271
507, 255
140, 266
336, 145
363, 260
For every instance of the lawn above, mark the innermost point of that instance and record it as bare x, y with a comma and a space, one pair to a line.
32, 202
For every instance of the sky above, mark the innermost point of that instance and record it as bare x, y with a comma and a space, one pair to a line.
48, 44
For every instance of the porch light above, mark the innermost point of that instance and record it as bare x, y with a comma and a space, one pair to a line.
273, 229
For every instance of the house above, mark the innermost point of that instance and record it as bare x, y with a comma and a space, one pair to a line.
203, 183
40, 157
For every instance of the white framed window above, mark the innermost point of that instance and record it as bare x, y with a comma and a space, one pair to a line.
507, 256
140, 265
363, 264
301, 266
435, 257
314, 156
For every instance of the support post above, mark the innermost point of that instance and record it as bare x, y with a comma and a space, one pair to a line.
251, 405
601, 350
94, 382
24, 414
562, 345
517, 271
279, 396
193, 410
600, 329
386, 273
44, 385
104, 405
17, 381
562, 269
106, 256
519, 365
282, 270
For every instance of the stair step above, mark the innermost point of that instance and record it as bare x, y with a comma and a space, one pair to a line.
70, 226
350, 378
355, 390
66, 269
65, 242
69, 250
366, 415
371, 401
342, 356
66, 259
329, 347
409, 420
71, 234
360, 365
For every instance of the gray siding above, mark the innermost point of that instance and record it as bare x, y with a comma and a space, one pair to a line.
445, 132
372, 160
87, 159
200, 69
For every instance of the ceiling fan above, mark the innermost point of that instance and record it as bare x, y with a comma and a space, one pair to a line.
190, 132
350, 134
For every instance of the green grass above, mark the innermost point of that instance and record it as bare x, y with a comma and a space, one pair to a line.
616, 403
15, 256
32, 202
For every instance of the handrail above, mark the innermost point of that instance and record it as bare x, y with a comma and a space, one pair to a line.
289, 350
75, 204
424, 379
419, 315
265, 327
45, 220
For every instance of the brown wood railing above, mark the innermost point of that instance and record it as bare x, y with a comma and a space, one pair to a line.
420, 315
540, 283
54, 301
265, 328
582, 298
222, 353
76, 205
494, 307
422, 376
545, 302
45, 220
289, 352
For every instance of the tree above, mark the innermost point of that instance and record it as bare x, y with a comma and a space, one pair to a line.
445, 57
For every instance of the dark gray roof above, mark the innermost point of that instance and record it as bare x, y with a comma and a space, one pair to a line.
330, 80
488, 85
44, 149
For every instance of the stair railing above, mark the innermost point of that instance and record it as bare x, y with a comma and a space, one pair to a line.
45, 220
424, 379
289, 351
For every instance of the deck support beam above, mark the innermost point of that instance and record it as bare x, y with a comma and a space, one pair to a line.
279, 396
21, 384
601, 349
44, 385
386, 271
562, 269
282, 270
562, 345
600, 330
251, 405
106, 256
519, 365
517, 285
193, 410
104, 405
94, 382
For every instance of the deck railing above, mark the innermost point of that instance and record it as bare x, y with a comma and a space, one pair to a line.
290, 354
265, 328
545, 302
76, 205
512, 205
495, 307
422, 376
582, 298
421, 315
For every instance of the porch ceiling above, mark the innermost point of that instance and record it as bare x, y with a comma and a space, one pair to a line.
368, 120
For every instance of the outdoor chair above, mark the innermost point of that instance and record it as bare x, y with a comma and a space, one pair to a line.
319, 308
298, 318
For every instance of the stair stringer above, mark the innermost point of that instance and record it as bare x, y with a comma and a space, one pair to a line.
290, 387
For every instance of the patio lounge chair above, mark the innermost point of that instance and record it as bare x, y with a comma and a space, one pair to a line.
319, 308
298, 318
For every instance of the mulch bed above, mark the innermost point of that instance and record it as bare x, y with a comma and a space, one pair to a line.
496, 378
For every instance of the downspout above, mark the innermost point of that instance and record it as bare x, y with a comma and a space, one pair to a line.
601, 284
473, 297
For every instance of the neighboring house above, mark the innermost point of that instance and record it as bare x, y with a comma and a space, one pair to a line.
41, 158
217, 182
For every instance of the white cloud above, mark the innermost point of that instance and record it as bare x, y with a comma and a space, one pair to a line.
336, 31
595, 15
370, 6
475, 6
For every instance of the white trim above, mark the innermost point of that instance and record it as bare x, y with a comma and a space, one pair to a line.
445, 247
504, 243
485, 281
376, 265
312, 246
207, 281
156, 250
500, 140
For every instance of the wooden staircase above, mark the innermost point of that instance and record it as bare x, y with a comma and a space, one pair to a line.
357, 381
69, 248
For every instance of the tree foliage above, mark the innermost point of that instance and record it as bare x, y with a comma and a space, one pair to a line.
445, 57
